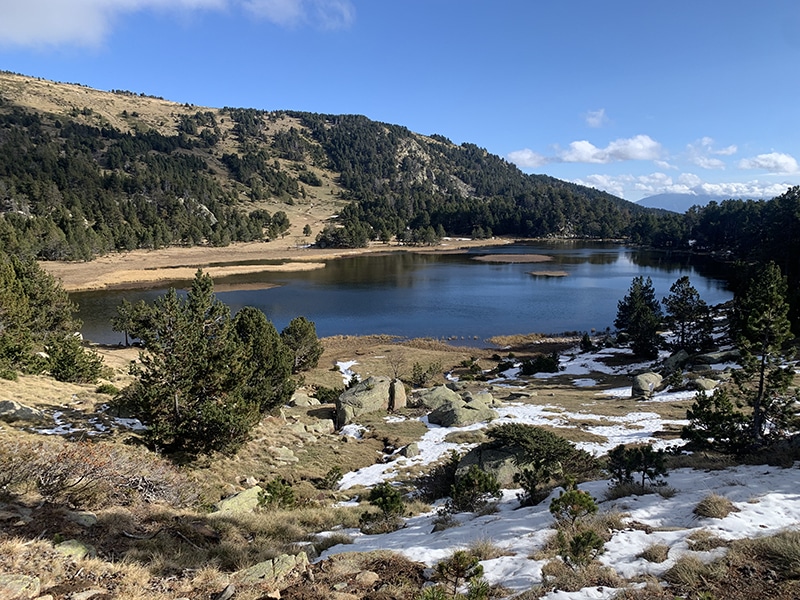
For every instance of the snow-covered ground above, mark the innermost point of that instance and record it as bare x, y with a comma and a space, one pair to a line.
766, 497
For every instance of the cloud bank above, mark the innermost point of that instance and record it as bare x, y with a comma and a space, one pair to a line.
50, 23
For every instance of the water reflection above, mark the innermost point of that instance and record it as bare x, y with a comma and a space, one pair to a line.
446, 295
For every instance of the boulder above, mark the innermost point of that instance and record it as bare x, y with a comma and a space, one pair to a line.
458, 413
712, 358
303, 400
410, 451
14, 411
370, 395
397, 395
677, 361
704, 384
271, 573
76, 549
645, 385
19, 586
243, 502
435, 397
84, 518
500, 462
482, 396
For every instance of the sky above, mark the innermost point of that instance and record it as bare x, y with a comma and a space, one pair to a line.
635, 98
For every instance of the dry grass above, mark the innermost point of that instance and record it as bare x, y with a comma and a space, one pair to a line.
485, 548
558, 575
714, 506
655, 553
703, 540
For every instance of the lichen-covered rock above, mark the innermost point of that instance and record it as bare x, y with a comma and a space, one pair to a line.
14, 587
370, 395
397, 395
77, 549
500, 462
303, 400
11, 410
271, 573
460, 414
243, 502
435, 397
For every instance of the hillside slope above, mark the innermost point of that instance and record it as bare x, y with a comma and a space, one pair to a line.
85, 172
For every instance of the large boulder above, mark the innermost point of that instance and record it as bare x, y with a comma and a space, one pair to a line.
714, 358
435, 397
370, 395
500, 462
483, 396
645, 385
677, 361
397, 395
458, 413
14, 411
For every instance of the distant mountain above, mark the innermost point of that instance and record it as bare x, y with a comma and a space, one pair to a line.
678, 203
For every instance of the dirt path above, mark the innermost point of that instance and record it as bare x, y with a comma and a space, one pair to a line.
141, 268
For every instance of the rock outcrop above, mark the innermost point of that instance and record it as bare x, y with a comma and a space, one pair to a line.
370, 395
457, 413
11, 410
435, 397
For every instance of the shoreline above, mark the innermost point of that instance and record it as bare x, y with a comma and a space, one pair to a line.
139, 269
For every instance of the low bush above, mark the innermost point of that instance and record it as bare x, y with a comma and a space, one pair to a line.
277, 493
389, 501
437, 482
473, 491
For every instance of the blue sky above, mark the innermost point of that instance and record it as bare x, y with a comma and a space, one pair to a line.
636, 98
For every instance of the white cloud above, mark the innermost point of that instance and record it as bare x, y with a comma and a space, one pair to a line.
774, 162
703, 154
90, 22
527, 158
596, 118
640, 147
325, 14
640, 186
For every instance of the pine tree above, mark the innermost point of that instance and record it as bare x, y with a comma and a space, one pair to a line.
688, 315
639, 316
301, 337
760, 326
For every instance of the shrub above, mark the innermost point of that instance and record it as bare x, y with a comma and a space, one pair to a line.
107, 388
420, 375
460, 567
540, 363
715, 423
571, 506
642, 461
331, 479
438, 482
328, 395
714, 506
473, 491
278, 493
545, 459
389, 501
69, 361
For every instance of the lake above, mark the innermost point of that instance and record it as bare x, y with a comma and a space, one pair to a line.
447, 296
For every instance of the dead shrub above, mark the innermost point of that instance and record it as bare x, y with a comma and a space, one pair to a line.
714, 506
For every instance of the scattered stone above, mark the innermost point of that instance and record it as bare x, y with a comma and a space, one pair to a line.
677, 361
282, 454
84, 518
270, 573
367, 578
19, 586
243, 502
303, 400
11, 410
645, 385
76, 549
411, 450
321, 427
227, 593
87, 594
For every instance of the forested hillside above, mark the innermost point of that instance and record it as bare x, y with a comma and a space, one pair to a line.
84, 172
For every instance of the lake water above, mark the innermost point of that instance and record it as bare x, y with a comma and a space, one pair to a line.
447, 296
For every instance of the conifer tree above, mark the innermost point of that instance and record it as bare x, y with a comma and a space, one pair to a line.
639, 315
688, 315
